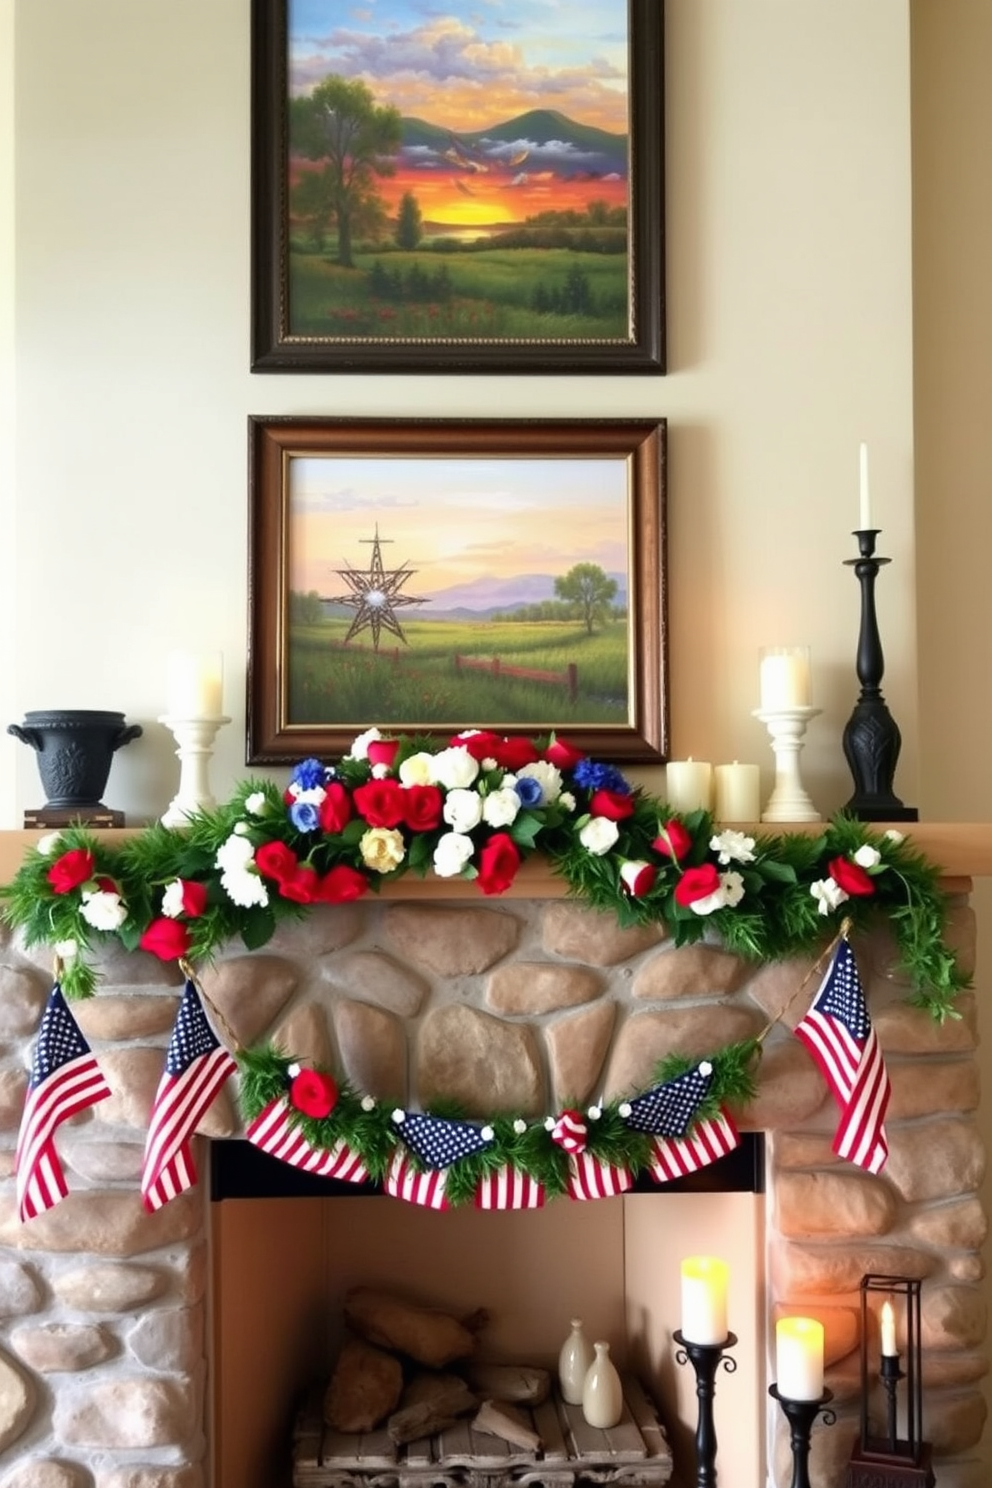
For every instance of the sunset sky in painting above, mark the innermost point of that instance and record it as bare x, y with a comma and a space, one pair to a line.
454, 521
472, 70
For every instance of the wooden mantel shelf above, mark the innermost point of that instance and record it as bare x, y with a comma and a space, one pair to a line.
959, 849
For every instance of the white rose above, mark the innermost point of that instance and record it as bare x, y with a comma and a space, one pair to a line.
598, 835
47, 844
733, 847
235, 854
256, 803
455, 769
828, 894
172, 899
500, 807
382, 849
732, 887
452, 852
463, 810
548, 777
417, 769
867, 856
360, 748
894, 835
104, 910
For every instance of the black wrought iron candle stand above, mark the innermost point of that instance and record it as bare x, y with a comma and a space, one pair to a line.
705, 1358
872, 740
892, 1460
800, 1415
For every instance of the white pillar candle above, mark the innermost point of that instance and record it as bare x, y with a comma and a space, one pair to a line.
889, 1330
784, 676
196, 684
865, 522
799, 1358
704, 1299
738, 792
689, 785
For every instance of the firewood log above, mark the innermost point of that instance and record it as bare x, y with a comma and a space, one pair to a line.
522, 1384
424, 1334
365, 1386
430, 1403
499, 1419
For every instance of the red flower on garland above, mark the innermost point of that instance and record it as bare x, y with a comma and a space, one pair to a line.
498, 864
697, 883
383, 751
637, 877
380, 802
335, 809
301, 885
73, 868
276, 860
166, 939
192, 898
481, 745
422, 805
851, 877
340, 885
513, 754
673, 840
562, 754
614, 805
313, 1093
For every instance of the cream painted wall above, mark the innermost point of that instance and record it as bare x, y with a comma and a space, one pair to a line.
788, 181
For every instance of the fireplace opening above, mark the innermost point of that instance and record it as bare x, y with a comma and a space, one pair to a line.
286, 1247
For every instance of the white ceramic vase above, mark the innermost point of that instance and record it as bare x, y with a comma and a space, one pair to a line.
574, 1362
602, 1391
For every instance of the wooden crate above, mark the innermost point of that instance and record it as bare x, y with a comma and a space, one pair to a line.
634, 1452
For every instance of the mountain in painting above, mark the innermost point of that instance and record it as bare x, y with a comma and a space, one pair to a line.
538, 140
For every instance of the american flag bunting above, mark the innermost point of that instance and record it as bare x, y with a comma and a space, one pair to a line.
65, 1078
273, 1131
196, 1066
591, 1178
406, 1181
838, 1033
509, 1188
439, 1141
709, 1140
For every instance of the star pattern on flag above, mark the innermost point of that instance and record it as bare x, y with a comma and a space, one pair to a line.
668, 1110
438, 1141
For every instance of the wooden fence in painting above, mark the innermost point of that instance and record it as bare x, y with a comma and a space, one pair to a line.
568, 679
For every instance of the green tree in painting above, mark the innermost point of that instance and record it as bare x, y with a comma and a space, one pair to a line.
409, 222
589, 591
341, 125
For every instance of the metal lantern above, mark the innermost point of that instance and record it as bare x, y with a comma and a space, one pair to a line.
895, 1456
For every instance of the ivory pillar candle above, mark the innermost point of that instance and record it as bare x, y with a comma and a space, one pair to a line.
889, 1330
704, 1299
689, 785
799, 1358
196, 684
864, 508
738, 793
784, 678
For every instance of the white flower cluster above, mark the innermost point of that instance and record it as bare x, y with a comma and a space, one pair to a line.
238, 875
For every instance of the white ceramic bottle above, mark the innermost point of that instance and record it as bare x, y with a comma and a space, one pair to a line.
602, 1392
574, 1362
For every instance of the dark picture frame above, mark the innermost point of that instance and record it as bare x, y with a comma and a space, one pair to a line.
592, 263
392, 581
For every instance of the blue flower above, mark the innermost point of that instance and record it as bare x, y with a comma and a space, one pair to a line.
304, 816
595, 776
529, 790
308, 774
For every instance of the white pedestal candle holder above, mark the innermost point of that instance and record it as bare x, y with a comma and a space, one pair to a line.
195, 737
788, 801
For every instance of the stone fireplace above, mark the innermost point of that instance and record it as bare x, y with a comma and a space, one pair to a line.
127, 1341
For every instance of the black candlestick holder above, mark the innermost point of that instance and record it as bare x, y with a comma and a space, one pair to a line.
800, 1415
705, 1359
872, 740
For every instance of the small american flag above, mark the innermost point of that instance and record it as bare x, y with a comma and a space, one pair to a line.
709, 1139
405, 1181
274, 1131
669, 1110
509, 1188
591, 1178
838, 1033
65, 1078
196, 1066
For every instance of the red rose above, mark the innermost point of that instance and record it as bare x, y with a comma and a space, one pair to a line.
301, 885
697, 883
498, 864
673, 840
313, 1093
194, 898
167, 939
423, 806
614, 805
480, 746
335, 809
851, 876
73, 868
637, 877
565, 756
380, 802
513, 754
276, 860
383, 751
340, 884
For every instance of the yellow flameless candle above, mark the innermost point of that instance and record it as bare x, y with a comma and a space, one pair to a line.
704, 1299
799, 1358
689, 785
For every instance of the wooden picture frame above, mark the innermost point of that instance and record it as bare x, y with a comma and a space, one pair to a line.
414, 574
541, 233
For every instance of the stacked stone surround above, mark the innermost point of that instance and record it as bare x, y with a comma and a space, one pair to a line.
509, 1005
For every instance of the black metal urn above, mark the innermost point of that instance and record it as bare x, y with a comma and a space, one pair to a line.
75, 747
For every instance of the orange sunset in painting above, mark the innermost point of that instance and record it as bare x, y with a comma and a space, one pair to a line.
458, 174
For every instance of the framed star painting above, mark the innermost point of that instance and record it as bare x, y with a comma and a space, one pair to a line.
458, 188
425, 576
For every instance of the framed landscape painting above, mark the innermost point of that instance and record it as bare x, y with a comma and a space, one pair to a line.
427, 576
458, 188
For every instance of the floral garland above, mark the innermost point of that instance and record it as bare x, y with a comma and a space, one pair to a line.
474, 808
